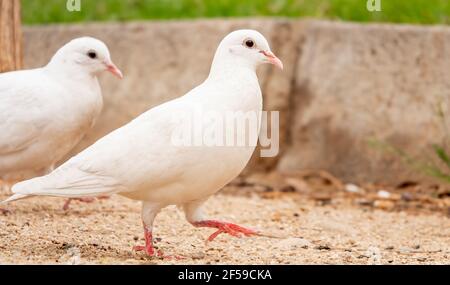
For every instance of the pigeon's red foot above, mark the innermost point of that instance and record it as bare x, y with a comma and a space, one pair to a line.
84, 200
150, 250
228, 228
5, 212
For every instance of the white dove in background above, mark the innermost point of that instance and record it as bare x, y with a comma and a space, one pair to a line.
140, 161
45, 112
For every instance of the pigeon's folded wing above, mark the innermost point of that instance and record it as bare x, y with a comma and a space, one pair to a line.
127, 157
22, 115
70, 181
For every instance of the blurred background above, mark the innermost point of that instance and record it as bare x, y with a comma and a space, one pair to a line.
364, 102
398, 11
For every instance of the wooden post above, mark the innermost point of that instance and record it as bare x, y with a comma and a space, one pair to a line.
10, 36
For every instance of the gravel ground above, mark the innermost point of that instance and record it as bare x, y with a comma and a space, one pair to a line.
38, 231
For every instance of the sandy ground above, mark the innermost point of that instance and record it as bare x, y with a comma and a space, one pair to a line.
38, 231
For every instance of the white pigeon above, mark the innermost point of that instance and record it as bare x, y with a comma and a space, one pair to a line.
141, 161
45, 112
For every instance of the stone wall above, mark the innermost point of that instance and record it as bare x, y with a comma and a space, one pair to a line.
343, 84
360, 83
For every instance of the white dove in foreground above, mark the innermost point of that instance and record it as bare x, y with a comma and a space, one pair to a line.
141, 162
45, 112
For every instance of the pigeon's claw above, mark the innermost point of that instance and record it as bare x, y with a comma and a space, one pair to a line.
156, 253
84, 200
228, 228
150, 250
5, 212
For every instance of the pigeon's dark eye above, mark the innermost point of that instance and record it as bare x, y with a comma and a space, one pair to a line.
92, 54
249, 43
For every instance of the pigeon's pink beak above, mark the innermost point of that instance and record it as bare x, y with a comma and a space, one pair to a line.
272, 59
111, 67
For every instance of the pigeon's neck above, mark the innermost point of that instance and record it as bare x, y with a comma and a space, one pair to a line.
66, 69
228, 66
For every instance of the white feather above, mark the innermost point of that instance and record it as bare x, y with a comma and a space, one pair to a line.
45, 112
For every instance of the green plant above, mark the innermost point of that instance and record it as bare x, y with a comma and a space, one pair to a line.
428, 167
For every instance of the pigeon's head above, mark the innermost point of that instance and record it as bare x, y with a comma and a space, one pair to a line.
87, 54
248, 47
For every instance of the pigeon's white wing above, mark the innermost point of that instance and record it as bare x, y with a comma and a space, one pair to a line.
138, 153
22, 109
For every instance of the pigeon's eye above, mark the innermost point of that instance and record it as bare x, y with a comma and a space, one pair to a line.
249, 43
92, 54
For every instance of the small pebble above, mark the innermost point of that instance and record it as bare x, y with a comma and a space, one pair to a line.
384, 194
383, 204
407, 196
198, 255
352, 188
322, 247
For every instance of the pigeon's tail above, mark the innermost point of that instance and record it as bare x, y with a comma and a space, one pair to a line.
25, 189
69, 182
32, 187
15, 197
72, 184
19, 191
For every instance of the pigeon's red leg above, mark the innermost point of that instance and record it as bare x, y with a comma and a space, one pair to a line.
149, 212
227, 228
150, 250
5, 212
84, 200
148, 247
